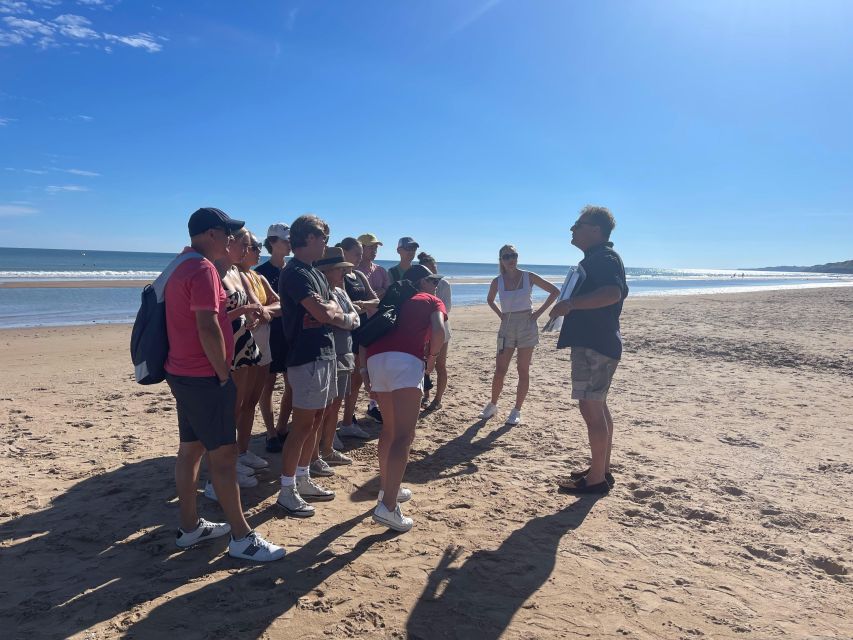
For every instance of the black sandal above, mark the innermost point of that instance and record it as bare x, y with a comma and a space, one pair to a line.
580, 487
577, 475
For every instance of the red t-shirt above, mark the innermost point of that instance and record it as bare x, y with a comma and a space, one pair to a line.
194, 286
413, 329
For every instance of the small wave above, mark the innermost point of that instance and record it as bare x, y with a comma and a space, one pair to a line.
78, 275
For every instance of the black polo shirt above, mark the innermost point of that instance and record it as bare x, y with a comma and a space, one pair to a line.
597, 329
308, 339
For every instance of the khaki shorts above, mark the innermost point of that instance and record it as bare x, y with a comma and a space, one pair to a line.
314, 384
518, 331
592, 374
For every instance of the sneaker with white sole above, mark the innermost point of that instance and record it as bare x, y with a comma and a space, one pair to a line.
336, 459
352, 431
321, 469
244, 470
514, 417
310, 490
253, 460
204, 532
336, 442
290, 500
392, 519
488, 411
403, 495
254, 547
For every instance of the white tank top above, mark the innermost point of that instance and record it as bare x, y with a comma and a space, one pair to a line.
520, 299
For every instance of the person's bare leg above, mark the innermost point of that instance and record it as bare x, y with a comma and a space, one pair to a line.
441, 373
246, 415
223, 473
525, 357
311, 447
386, 436
330, 423
301, 429
186, 473
266, 404
501, 367
406, 403
609, 420
352, 399
286, 406
599, 438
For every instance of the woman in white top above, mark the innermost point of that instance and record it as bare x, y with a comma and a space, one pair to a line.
518, 328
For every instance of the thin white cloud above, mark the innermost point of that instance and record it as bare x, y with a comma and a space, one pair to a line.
139, 41
65, 29
76, 27
472, 16
85, 118
81, 172
16, 210
65, 188
5, 121
38, 172
291, 18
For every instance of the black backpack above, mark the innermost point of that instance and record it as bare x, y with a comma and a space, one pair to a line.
386, 315
149, 342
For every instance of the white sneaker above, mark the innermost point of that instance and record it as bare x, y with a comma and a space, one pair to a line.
254, 547
352, 431
290, 500
244, 470
392, 519
310, 490
252, 460
403, 495
336, 443
488, 411
514, 417
202, 533
321, 469
336, 458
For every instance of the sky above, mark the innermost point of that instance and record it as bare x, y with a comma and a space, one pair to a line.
719, 133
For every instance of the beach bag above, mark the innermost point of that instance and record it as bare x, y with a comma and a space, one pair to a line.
385, 318
149, 342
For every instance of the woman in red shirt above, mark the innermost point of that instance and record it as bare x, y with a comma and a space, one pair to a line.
396, 363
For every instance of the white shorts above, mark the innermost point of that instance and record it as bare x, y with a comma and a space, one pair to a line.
262, 339
394, 370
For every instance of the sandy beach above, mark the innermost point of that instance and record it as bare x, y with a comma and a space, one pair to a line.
734, 463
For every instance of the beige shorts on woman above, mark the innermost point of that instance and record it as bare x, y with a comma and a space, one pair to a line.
518, 331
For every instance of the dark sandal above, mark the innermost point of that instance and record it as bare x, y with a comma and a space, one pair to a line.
577, 475
580, 487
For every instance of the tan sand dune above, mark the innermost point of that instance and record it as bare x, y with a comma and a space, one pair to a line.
731, 515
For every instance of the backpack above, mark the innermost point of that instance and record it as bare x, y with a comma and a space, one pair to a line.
385, 318
149, 342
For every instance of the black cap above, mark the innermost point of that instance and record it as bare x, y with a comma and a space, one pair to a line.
210, 217
418, 272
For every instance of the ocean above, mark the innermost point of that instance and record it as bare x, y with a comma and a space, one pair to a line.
33, 307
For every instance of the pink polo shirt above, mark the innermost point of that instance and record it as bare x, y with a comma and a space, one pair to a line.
194, 286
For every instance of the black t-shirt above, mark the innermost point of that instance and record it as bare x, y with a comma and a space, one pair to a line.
308, 339
271, 272
277, 343
597, 329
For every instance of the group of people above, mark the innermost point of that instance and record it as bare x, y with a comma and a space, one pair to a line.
234, 325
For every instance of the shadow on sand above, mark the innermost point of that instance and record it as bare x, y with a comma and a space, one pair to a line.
479, 599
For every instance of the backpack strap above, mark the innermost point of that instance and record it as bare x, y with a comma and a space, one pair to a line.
159, 285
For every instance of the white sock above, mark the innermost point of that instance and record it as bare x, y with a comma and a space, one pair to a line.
301, 472
288, 481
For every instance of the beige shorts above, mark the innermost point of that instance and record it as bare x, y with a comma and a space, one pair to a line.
518, 331
592, 374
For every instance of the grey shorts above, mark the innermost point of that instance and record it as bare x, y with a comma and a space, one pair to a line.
518, 331
592, 374
344, 384
205, 410
313, 384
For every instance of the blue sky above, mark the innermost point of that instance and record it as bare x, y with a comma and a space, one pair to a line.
719, 133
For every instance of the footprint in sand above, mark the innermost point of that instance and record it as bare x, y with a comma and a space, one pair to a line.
738, 441
828, 566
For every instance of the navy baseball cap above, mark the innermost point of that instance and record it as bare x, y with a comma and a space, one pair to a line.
210, 217
418, 272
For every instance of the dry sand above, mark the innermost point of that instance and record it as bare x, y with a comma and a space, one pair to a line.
730, 517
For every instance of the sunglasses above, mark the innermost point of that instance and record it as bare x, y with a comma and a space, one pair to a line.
509, 256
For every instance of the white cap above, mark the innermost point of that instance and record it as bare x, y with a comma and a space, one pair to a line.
279, 230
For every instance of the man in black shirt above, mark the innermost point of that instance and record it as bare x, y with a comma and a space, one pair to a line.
591, 329
307, 311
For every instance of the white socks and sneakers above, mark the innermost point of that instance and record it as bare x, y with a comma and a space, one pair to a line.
491, 409
393, 519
